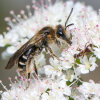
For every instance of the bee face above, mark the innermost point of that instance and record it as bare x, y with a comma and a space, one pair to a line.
61, 34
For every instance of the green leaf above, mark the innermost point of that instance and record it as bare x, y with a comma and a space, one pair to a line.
91, 53
78, 61
72, 68
44, 53
68, 82
75, 65
79, 83
70, 98
47, 91
7, 45
97, 59
59, 20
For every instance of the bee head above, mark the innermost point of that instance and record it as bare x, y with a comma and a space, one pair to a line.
61, 31
61, 34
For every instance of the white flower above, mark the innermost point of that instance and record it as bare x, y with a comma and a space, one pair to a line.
87, 65
50, 71
97, 52
60, 78
68, 60
1, 41
46, 89
90, 89
55, 63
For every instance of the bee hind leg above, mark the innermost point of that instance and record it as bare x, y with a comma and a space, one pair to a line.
28, 68
28, 71
32, 71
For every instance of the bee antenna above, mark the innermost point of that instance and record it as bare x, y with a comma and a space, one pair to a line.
68, 19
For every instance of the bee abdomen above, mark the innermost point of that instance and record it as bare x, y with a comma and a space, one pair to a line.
20, 63
23, 59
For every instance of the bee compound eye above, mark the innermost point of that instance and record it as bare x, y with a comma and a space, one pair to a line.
46, 33
60, 32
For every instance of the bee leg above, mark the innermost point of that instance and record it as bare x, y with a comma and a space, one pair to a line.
28, 68
35, 69
35, 74
53, 54
28, 75
21, 72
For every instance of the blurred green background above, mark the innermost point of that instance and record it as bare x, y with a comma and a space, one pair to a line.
5, 7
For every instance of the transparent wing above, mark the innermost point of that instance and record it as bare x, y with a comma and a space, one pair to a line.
33, 41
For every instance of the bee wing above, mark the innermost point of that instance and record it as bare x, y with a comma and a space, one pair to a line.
14, 59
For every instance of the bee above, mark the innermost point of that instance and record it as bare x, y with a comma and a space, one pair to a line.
41, 40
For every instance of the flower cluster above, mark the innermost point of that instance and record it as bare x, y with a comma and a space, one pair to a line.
62, 80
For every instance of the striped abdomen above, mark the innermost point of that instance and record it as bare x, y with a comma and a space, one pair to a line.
23, 58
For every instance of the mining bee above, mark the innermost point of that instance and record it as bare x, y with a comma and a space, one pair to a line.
41, 40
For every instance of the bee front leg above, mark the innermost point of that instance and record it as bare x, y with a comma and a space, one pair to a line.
50, 50
35, 69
